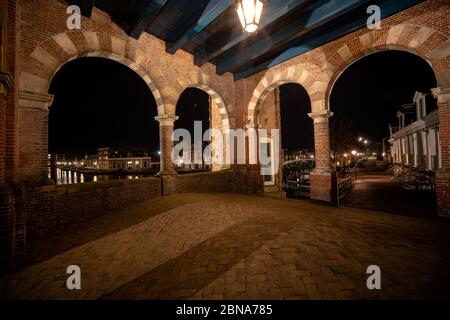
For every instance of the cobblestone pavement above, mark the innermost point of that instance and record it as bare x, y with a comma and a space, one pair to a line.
376, 191
225, 246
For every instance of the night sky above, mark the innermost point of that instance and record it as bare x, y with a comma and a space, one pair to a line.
296, 126
99, 102
193, 105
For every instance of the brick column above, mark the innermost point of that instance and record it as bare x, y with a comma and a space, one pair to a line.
165, 143
6, 195
33, 136
254, 179
442, 94
5, 85
322, 178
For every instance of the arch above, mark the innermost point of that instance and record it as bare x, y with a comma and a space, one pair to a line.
201, 81
308, 75
50, 55
429, 44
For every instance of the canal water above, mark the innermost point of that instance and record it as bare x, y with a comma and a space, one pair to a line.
72, 177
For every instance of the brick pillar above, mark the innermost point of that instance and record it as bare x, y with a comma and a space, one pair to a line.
2, 136
254, 178
442, 94
322, 178
165, 143
5, 85
6, 196
33, 136
6, 228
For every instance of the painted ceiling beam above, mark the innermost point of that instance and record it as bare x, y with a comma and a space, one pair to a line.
283, 9
388, 8
323, 13
213, 10
146, 18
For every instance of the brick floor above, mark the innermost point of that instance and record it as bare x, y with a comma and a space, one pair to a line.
375, 191
223, 246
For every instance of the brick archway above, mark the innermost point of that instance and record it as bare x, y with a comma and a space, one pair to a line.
35, 78
308, 75
200, 81
314, 80
219, 108
430, 45
49, 56
433, 47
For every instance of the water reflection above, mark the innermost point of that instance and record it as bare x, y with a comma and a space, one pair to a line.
73, 177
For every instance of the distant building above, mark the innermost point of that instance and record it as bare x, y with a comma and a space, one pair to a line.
91, 161
416, 141
288, 155
110, 159
188, 160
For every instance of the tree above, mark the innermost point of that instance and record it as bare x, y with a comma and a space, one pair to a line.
342, 134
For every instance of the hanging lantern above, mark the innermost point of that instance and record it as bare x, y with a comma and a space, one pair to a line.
249, 12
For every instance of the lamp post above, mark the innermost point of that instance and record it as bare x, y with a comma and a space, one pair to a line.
249, 12
344, 164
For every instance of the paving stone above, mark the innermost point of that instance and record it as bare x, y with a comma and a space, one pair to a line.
216, 246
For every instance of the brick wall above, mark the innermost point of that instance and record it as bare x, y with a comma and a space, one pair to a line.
52, 208
443, 175
247, 179
11, 154
33, 139
219, 181
2, 138
323, 187
443, 193
6, 224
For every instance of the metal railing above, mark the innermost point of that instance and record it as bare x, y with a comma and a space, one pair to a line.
344, 186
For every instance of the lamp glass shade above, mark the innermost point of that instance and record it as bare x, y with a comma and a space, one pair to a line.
249, 12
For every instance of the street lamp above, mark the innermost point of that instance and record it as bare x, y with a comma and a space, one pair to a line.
249, 12
354, 152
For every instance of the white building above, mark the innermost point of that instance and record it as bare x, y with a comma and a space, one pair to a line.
111, 159
415, 142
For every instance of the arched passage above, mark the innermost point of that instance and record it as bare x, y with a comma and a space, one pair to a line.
314, 80
99, 103
431, 45
34, 100
193, 112
201, 103
219, 102
308, 75
384, 113
286, 109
